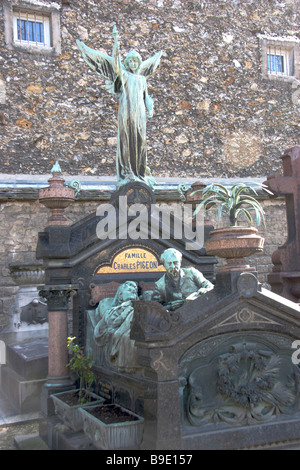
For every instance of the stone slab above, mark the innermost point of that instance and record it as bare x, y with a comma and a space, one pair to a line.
58, 437
24, 395
29, 359
30, 442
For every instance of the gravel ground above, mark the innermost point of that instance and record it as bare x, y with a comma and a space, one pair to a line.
7, 433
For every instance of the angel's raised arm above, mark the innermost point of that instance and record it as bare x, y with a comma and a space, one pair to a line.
116, 53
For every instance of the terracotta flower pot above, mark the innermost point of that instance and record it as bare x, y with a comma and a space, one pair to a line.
234, 244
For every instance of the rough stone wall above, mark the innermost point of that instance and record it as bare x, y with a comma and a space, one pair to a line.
20, 223
215, 114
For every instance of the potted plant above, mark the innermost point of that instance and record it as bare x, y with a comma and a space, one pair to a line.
112, 427
68, 403
235, 242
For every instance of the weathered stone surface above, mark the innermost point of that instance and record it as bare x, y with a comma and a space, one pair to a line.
215, 114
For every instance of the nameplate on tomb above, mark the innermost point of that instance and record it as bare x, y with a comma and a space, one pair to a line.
133, 260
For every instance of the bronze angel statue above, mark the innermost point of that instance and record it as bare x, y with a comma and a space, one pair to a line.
128, 83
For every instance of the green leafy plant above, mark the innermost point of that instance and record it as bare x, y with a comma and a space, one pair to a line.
234, 201
81, 366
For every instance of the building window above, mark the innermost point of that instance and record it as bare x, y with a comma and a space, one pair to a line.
280, 61
275, 63
32, 30
280, 57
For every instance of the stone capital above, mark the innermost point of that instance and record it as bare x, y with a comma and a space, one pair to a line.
58, 296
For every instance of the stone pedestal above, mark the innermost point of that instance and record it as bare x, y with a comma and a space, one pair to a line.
25, 341
24, 374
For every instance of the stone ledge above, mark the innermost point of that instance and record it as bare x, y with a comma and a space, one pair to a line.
93, 188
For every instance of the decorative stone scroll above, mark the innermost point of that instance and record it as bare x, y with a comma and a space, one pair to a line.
152, 321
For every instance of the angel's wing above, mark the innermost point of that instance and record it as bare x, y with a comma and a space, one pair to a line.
100, 63
149, 66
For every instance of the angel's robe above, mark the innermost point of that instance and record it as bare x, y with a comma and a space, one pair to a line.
132, 146
112, 334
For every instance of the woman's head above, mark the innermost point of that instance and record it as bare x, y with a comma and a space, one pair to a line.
127, 291
133, 61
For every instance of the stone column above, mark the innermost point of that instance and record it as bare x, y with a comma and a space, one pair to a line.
57, 196
58, 375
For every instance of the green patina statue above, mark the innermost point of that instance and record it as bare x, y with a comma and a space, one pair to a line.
115, 315
178, 284
112, 331
128, 83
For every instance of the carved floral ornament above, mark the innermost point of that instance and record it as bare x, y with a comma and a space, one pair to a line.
253, 384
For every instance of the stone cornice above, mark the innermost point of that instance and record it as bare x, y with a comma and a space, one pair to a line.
26, 187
